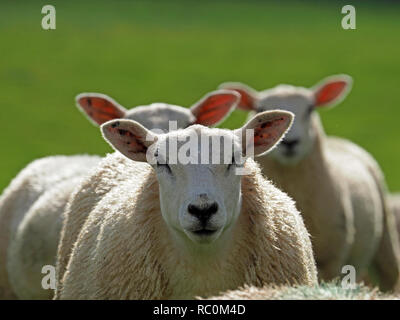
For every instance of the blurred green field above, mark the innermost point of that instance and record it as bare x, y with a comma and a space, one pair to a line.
176, 51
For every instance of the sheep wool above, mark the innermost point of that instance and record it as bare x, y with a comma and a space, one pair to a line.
338, 187
323, 291
124, 250
340, 191
38, 193
394, 203
37, 220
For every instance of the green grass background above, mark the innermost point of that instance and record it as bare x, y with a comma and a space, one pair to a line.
175, 51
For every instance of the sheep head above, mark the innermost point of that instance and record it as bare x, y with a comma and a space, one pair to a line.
198, 169
299, 141
209, 111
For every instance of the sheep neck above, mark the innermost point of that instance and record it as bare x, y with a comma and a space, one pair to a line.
311, 185
259, 248
205, 269
202, 268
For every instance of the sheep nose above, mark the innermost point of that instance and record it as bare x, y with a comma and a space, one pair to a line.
203, 212
290, 144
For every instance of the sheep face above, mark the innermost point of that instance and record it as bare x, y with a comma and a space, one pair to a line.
209, 111
197, 169
199, 177
299, 141
302, 102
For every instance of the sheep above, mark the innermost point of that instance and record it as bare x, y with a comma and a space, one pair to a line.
35, 242
17, 202
338, 187
324, 291
394, 203
211, 110
29, 245
170, 229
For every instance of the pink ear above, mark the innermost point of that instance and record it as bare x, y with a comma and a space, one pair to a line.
128, 137
332, 90
214, 107
99, 107
248, 96
269, 132
268, 127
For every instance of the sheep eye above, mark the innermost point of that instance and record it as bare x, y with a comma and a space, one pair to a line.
164, 166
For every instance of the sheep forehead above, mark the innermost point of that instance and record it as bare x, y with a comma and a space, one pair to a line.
286, 97
158, 115
205, 137
285, 89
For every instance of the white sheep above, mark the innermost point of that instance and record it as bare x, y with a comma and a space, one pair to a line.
338, 187
39, 179
179, 230
35, 242
394, 203
31, 208
212, 109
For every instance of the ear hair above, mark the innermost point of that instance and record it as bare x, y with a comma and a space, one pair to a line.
128, 137
99, 108
269, 127
332, 90
215, 107
248, 96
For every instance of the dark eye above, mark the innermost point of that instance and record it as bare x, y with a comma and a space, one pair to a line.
310, 109
164, 166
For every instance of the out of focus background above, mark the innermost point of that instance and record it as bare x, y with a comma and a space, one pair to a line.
140, 52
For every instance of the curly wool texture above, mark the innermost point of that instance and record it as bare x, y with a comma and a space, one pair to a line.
324, 291
39, 188
340, 191
394, 203
122, 248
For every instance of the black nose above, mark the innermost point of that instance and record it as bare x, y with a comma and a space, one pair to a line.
290, 144
203, 212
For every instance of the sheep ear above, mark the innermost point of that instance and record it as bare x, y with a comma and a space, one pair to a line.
215, 107
332, 90
264, 131
248, 96
128, 137
99, 108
